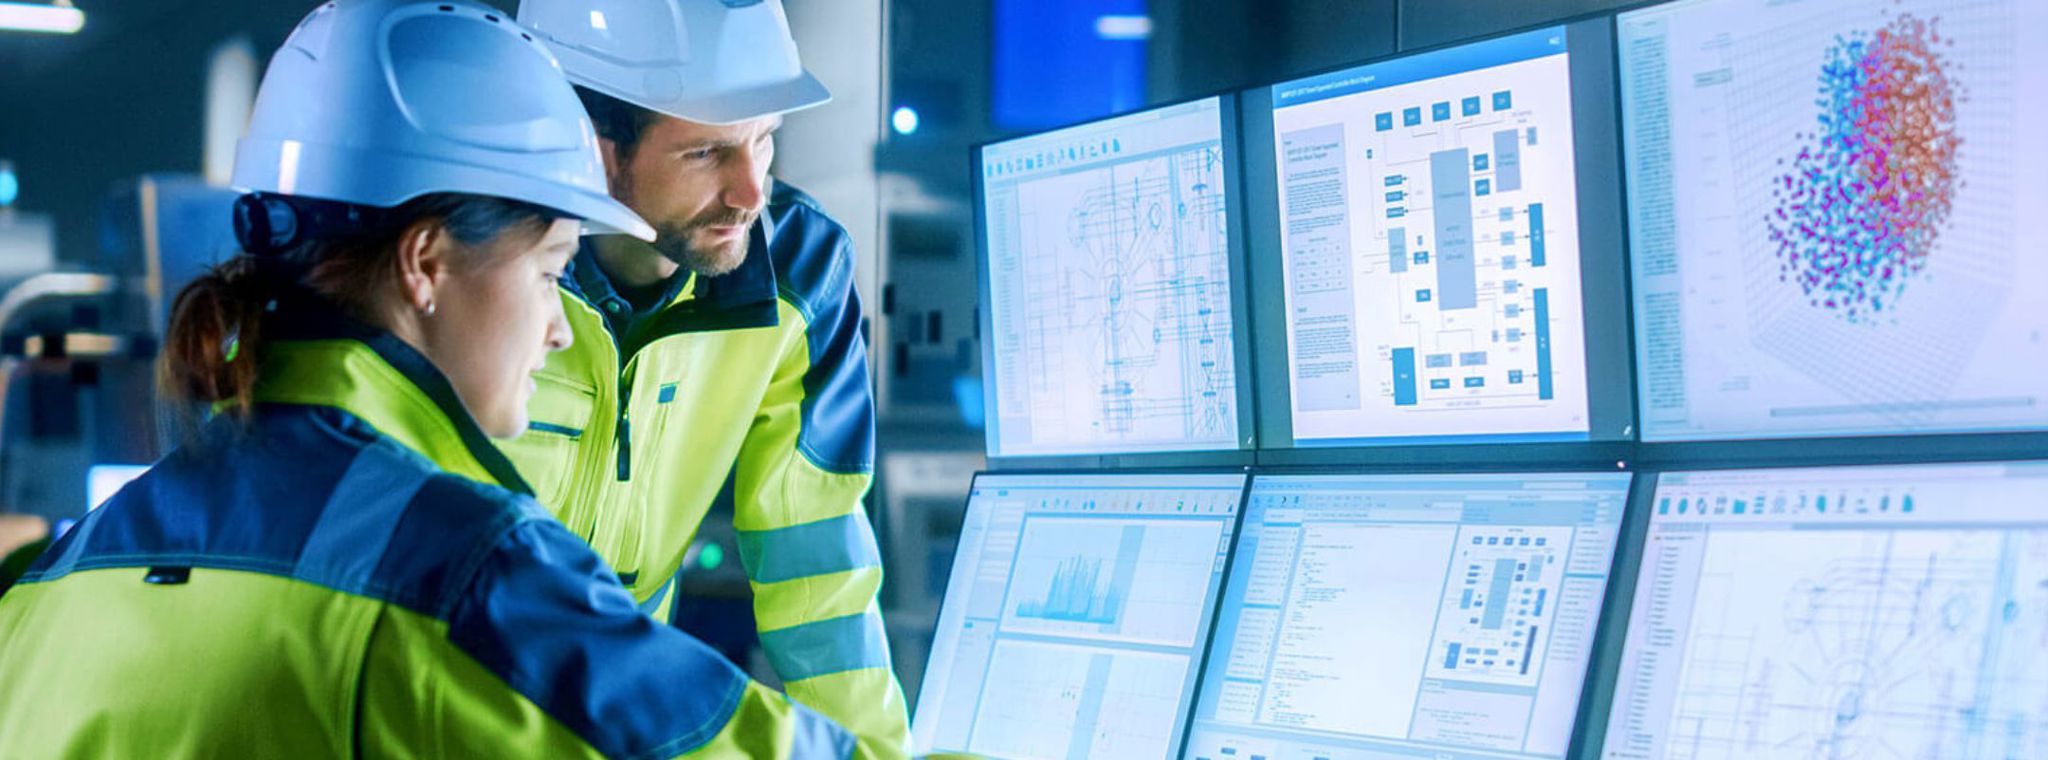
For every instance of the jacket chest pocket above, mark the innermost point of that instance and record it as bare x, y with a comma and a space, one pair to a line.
551, 453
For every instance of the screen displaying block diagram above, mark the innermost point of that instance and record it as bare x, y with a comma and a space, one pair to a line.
1825, 205
1429, 231
1440, 616
1111, 326
1076, 616
1845, 612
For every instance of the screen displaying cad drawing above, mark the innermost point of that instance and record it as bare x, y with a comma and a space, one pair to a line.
1076, 616
1859, 612
1440, 616
1108, 266
1429, 223
1825, 206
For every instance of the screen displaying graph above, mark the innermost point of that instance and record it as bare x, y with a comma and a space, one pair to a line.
1839, 612
1827, 202
1430, 245
1444, 616
1078, 594
1129, 580
1075, 619
1109, 304
1068, 702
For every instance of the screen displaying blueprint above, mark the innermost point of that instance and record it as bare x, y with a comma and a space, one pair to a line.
1825, 200
1429, 229
1439, 616
1076, 616
1847, 612
1109, 315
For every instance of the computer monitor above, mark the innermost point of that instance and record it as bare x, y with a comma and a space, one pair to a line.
1110, 326
1891, 611
1826, 207
1445, 235
1439, 616
1077, 615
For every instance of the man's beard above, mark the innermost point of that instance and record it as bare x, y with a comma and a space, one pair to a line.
674, 242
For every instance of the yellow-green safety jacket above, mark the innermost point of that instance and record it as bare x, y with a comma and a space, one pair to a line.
759, 375
356, 572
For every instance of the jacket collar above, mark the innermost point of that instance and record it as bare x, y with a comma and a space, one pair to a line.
319, 356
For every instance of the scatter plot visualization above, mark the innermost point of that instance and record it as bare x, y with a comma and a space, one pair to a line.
1835, 216
1860, 209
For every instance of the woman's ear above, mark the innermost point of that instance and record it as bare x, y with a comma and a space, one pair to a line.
422, 261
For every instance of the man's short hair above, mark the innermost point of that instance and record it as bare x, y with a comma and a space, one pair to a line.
616, 120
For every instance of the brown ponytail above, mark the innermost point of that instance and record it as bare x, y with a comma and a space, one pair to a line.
215, 337
213, 347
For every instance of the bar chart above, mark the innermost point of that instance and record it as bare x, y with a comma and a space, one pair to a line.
1131, 581
1078, 594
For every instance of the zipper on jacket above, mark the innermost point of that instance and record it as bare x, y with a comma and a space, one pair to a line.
626, 352
625, 426
625, 449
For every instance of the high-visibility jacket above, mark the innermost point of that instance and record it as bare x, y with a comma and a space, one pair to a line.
355, 571
759, 375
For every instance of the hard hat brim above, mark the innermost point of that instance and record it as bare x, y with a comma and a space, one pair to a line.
386, 179
602, 215
804, 91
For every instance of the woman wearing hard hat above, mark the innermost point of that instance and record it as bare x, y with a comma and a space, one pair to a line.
339, 562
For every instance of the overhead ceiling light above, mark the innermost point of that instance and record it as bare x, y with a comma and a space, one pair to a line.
55, 18
904, 120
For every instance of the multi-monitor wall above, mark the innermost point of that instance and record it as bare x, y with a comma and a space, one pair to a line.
1692, 237
1819, 239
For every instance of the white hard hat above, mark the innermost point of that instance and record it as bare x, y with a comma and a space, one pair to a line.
378, 102
707, 61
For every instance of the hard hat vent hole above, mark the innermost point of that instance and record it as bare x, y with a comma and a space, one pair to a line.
447, 9
426, 70
490, 18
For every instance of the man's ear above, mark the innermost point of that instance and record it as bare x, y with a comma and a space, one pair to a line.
422, 261
612, 166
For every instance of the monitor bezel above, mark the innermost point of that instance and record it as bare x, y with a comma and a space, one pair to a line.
1610, 644
1826, 449
1603, 276
1625, 541
1240, 454
1201, 651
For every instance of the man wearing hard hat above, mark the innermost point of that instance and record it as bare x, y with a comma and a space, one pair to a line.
729, 349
